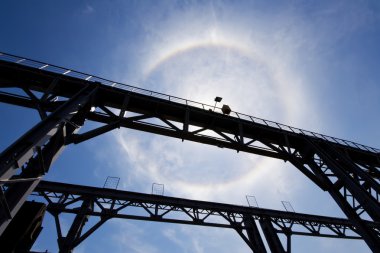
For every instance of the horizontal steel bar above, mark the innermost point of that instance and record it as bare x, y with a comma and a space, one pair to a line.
120, 198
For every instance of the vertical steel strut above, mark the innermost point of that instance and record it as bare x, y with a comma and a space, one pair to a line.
68, 243
271, 236
256, 242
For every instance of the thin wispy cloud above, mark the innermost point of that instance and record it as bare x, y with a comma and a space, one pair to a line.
260, 65
88, 9
202, 56
129, 237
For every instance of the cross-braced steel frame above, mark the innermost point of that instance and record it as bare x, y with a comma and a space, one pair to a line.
85, 201
348, 171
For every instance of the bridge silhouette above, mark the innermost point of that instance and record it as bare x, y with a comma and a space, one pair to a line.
65, 98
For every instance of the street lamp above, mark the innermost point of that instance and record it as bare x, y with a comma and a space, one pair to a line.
217, 100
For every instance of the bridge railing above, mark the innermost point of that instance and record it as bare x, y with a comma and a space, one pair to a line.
72, 73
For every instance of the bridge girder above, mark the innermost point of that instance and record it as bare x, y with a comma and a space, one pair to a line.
350, 172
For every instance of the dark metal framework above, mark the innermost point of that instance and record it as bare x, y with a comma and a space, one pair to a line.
349, 171
34, 152
85, 201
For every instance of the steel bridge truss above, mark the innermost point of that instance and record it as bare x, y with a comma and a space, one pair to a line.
349, 171
85, 201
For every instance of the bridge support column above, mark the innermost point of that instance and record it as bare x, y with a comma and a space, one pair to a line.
36, 150
254, 237
271, 236
68, 243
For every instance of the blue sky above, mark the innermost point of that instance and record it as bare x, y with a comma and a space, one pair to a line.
309, 64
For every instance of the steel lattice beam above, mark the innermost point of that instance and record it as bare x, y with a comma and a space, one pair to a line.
109, 203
